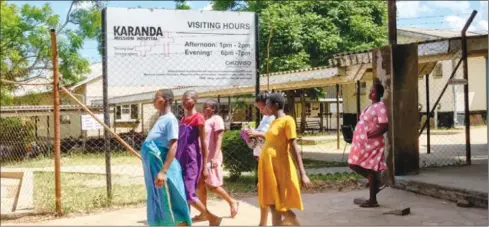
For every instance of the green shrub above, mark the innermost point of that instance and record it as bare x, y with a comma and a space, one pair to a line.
238, 157
16, 134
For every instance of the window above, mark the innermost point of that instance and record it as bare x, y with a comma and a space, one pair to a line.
118, 112
65, 119
125, 109
134, 111
127, 112
308, 109
438, 71
363, 88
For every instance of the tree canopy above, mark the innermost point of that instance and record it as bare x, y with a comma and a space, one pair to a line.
307, 33
26, 44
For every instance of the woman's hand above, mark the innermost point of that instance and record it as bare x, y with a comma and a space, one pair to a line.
369, 135
214, 164
251, 133
205, 173
160, 179
305, 181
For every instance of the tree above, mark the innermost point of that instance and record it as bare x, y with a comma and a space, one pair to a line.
25, 41
181, 4
308, 33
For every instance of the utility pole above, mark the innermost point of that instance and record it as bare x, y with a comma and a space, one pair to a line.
392, 17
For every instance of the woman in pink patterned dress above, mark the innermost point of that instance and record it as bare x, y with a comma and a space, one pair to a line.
367, 150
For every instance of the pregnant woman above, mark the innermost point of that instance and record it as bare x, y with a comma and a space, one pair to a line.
367, 150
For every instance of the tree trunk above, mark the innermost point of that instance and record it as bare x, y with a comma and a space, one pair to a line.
291, 103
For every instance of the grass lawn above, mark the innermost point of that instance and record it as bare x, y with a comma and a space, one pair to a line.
75, 159
317, 164
79, 159
87, 192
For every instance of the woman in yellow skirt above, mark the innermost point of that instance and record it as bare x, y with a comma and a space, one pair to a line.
278, 181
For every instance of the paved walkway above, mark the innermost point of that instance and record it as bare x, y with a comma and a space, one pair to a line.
334, 208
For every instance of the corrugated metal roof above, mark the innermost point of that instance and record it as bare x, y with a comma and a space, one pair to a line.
435, 33
43, 108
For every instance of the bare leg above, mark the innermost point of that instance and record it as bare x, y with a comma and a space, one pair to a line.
366, 172
290, 217
358, 169
276, 217
221, 192
263, 216
202, 195
213, 219
373, 190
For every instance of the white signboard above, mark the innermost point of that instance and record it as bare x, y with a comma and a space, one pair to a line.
88, 123
179, 47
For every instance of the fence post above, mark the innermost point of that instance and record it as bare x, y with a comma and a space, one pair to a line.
358, 101
428, 113
257, 57
466, 88
56, 120
337, 116
105, 88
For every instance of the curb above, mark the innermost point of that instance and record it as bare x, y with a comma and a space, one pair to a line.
478, 199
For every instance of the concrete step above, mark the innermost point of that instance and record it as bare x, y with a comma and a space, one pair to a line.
475, 198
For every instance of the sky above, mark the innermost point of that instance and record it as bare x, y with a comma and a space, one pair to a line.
443, 15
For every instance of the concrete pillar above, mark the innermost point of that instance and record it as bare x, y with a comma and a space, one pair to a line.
398, 74
487, 93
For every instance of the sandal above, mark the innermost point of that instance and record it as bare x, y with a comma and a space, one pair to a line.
234, 212
217, 223
199, 218
368, 204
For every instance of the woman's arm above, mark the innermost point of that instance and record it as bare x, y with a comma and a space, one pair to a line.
172, 150
254, 133
378, 131
203, 143
296, 154
219, 136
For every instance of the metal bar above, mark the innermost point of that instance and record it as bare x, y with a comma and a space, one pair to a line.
142, 118
108, 174
219, 105
257, 58
337, 116
358, 101
468, 153
56, 119
230, 113
428, 115
441, 95
115, 119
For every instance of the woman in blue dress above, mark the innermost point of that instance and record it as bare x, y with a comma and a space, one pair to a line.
166, 201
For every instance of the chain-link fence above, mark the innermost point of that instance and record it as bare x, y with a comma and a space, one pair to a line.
26, 143
98, 171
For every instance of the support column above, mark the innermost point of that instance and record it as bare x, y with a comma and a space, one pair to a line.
487, 94
337, 116
428, 115
397, 68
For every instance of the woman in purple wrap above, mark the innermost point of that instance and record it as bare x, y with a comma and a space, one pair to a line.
192, 152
